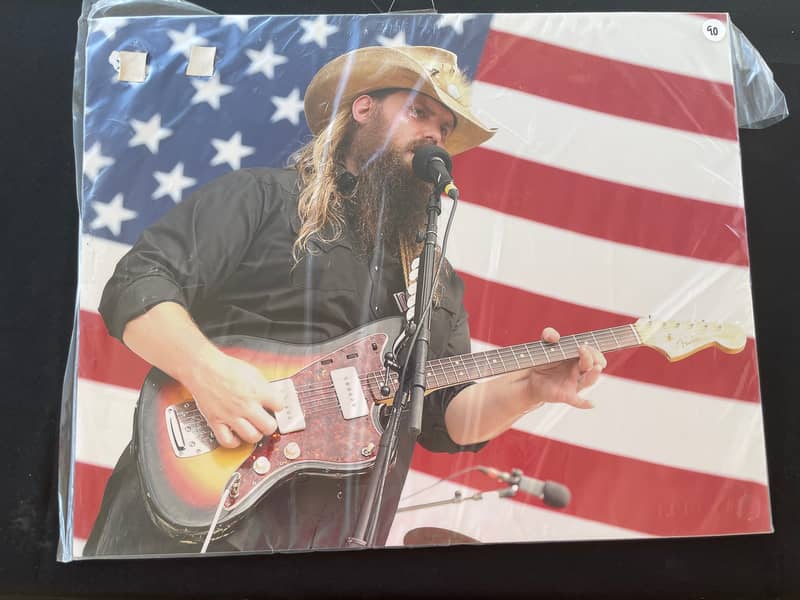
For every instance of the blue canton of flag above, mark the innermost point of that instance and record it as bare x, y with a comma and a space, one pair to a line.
149, 145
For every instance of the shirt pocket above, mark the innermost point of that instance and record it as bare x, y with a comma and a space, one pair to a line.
443, 323
331, 269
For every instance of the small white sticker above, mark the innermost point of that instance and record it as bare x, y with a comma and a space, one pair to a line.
132, 66
201, 61
714, 30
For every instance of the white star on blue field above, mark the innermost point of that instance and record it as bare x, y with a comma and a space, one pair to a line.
148, 146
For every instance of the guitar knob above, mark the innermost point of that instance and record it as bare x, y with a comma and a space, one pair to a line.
261, 465
367, 450
291, 451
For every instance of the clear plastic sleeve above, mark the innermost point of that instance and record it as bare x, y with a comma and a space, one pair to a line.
251, 190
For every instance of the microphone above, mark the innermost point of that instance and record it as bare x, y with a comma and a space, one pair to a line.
551, 493
432, 163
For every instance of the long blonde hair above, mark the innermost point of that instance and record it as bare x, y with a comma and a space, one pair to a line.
319, 202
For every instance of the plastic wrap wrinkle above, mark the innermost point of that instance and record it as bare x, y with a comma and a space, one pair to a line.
759, 101
608, 205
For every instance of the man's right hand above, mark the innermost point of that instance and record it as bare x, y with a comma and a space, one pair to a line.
232, 394
234, 398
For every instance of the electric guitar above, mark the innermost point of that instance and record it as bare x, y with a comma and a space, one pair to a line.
332, 393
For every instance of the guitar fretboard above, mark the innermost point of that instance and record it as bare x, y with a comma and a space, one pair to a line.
454, 370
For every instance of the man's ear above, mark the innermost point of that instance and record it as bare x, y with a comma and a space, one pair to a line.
363, 107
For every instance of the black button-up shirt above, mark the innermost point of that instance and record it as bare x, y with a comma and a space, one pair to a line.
225, 254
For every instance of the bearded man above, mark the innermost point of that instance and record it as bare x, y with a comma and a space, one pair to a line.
303, 255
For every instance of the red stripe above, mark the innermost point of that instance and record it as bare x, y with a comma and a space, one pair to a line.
603, 209
90, 484
106, 359
608, 86
524, 315
616, 490
719, 16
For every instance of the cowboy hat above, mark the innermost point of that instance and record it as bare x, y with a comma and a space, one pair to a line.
428, 70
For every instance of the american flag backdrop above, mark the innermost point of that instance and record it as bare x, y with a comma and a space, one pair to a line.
611, 191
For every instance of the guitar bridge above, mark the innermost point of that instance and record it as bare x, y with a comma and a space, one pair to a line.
189, 434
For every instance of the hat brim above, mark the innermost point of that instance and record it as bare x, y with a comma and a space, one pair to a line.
369, 69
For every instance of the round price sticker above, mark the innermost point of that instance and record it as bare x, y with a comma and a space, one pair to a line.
714, 29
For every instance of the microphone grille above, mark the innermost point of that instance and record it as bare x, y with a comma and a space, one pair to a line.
556, 495
422, 158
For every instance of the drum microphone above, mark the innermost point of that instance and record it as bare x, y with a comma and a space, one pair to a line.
551, 493
432, 163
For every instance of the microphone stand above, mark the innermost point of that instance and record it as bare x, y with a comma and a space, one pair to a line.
412, 386
458, 498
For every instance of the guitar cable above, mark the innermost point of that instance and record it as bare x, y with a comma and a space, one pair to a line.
233, 480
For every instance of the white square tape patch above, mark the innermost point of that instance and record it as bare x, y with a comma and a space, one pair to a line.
201, 61
132, 66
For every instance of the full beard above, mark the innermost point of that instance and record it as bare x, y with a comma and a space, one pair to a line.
388, 199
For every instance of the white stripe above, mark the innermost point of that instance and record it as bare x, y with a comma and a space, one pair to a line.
98, 258
104, 422
77, 547
595, 272
659, 424
609, 147
666, 41
492, 519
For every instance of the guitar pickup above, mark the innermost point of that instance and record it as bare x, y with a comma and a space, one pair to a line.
349, 392
291, 417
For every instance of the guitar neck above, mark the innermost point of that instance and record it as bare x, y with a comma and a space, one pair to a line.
454, 370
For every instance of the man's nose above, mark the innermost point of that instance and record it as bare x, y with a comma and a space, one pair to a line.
433, 135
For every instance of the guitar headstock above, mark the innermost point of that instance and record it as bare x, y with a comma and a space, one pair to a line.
679, 339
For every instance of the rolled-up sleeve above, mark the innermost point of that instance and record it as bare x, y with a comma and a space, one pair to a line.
189, 252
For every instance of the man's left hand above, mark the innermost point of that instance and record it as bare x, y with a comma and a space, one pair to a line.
562, 381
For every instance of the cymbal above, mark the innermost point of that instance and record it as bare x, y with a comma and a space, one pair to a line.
436, 536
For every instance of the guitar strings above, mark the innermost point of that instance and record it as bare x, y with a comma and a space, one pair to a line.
438, 369
504, 354
317, 399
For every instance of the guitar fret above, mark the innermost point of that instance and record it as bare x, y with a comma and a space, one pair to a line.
469, 368
491, 358
520, 356
432, 374
596, 343
544, 350
528, 350
475, 366
574, 340
488, 367
514, 356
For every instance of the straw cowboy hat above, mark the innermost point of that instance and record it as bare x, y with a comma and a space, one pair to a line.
429, 70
